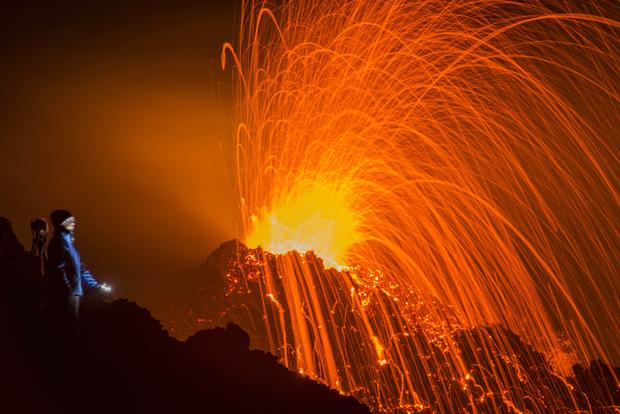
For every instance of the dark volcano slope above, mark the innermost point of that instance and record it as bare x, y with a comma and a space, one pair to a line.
124, 362
535, 386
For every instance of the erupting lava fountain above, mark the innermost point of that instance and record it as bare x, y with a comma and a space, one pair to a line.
456, 165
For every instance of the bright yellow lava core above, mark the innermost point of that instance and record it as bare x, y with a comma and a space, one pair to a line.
313, 217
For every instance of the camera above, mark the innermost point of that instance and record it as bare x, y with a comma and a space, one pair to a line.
39, 228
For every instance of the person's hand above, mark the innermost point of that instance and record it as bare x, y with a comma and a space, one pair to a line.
105, 288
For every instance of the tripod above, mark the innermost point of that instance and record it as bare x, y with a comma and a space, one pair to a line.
39, 229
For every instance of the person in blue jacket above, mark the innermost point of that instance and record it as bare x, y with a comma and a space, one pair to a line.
67, 273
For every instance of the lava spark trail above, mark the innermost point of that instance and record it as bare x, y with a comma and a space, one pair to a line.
463, 152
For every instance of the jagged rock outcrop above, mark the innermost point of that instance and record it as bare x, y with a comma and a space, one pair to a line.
505, 374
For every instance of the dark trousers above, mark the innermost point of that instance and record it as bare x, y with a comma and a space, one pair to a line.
64, 333
64, 312
73, 307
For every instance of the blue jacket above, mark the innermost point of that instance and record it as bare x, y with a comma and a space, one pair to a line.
65, 269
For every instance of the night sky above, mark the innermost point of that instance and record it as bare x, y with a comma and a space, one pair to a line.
121, 114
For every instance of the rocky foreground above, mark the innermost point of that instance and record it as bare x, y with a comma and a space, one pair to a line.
504, 373
124, 362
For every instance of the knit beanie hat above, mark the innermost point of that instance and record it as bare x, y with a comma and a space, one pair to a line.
57, 217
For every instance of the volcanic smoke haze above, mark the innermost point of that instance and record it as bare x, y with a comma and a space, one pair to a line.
116, 111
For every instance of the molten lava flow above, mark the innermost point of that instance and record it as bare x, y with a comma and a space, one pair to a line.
462, 151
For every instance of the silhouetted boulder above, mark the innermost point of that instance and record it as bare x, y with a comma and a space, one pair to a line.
12, 254
232, 338
9, 244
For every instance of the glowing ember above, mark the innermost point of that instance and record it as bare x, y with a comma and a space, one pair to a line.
455, 152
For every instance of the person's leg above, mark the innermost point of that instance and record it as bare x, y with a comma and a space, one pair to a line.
63, 334
63, 313
73, 317
74, 306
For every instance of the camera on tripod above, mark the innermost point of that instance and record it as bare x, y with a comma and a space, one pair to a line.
39, 229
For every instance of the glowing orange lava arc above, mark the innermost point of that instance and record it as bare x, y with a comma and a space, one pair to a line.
465, 149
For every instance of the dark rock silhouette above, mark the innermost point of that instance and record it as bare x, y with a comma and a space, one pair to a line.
122, 360
590, 388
